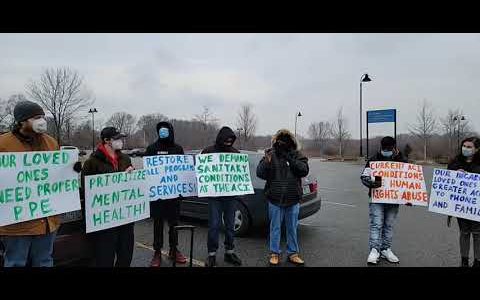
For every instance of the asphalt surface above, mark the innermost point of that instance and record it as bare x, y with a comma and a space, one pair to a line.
336, 236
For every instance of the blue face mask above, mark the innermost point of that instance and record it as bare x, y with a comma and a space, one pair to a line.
163, 133
387, 153
467, 152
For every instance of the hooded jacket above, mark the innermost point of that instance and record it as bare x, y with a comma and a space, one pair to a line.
165, 208
367, 171
284, 172
16, 142
224, 134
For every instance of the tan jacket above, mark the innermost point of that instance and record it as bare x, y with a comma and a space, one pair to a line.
13, 142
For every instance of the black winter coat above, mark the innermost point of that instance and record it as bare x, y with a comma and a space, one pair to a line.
219, 147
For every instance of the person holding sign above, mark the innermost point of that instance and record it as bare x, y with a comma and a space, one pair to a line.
283, 168
31, 240
162, 210
468, 161
116, 241
226, 205
382, 215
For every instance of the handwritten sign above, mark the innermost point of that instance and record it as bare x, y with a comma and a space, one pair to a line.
37, 184
401, 183
223, 174
170, 176
455, 194
115, 199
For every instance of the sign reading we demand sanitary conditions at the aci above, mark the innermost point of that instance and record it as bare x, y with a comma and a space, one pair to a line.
170, 176
115, 199
223, 174
401, 183
455, 193
39, 184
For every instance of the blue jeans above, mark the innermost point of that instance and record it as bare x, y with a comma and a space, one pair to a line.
277, 215
39, 248
382, 218
217, 206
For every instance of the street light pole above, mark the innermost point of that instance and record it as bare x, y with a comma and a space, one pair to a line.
296, 117
459, 118
363, 79
93, 111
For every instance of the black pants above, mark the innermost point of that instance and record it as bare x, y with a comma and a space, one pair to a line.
164, 211
468, 229
113, 242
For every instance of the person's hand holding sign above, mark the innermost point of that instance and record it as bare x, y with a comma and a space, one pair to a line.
268, 155
130, 169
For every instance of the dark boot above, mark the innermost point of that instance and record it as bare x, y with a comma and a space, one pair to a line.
211, 261
156, 260
464, 262
476, 263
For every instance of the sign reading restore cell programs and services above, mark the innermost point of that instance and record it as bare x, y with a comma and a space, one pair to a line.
170, 176
223, 174
401, 183
37, 184
115, 199
455, 193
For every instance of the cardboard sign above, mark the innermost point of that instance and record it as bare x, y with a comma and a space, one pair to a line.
115, 199
455, 194
37, 184
223, 174
170, 176
401, 183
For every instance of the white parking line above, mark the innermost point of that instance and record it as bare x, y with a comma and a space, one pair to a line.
337, 203
165, 253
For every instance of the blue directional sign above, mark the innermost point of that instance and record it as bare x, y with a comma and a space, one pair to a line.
381, 116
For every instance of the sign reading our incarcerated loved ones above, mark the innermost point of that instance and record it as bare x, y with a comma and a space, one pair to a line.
223, 174
455, 193
401, 183
115, 199
170, 176
37, 184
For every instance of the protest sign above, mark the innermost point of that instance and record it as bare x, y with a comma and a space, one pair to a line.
401, 183
455, 194
223, 174
37, 184
115, 199
170, 176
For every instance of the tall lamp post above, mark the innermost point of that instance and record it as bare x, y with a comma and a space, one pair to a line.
93, 111
363, 79
458, 119
296, 118
240, 137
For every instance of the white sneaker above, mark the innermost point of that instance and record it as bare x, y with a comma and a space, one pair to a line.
388, 254
373, 257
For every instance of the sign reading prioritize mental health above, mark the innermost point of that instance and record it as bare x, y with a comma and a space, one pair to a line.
115, 199
37, 184
223, 174
401, 183
455, 194
170, 176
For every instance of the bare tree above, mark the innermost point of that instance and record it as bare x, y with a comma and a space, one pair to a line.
451, 125
6, 110
124, 122
148, 125
207, 120
340, 131
61, 92
319, 132
425, 127
246, 122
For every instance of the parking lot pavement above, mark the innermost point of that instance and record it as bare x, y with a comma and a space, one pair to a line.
336, 236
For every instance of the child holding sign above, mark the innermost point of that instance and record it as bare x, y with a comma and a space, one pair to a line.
382, 215
468, 161
31, 240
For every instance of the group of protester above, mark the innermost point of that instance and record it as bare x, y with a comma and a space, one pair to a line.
282, 167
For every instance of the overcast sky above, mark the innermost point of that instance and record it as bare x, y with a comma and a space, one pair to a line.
280, 74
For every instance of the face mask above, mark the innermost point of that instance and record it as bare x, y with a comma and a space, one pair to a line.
39, 125
467, 152
163, 133
117, 144
387, 153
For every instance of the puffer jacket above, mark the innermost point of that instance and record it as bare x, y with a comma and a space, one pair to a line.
283, 173
16, 142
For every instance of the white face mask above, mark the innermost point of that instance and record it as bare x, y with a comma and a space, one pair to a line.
117, 144
39, 125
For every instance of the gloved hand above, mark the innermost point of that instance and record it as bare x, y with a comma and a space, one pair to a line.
376, 185
77, 167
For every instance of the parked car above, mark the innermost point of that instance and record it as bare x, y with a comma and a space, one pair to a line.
252, 210
134, 152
